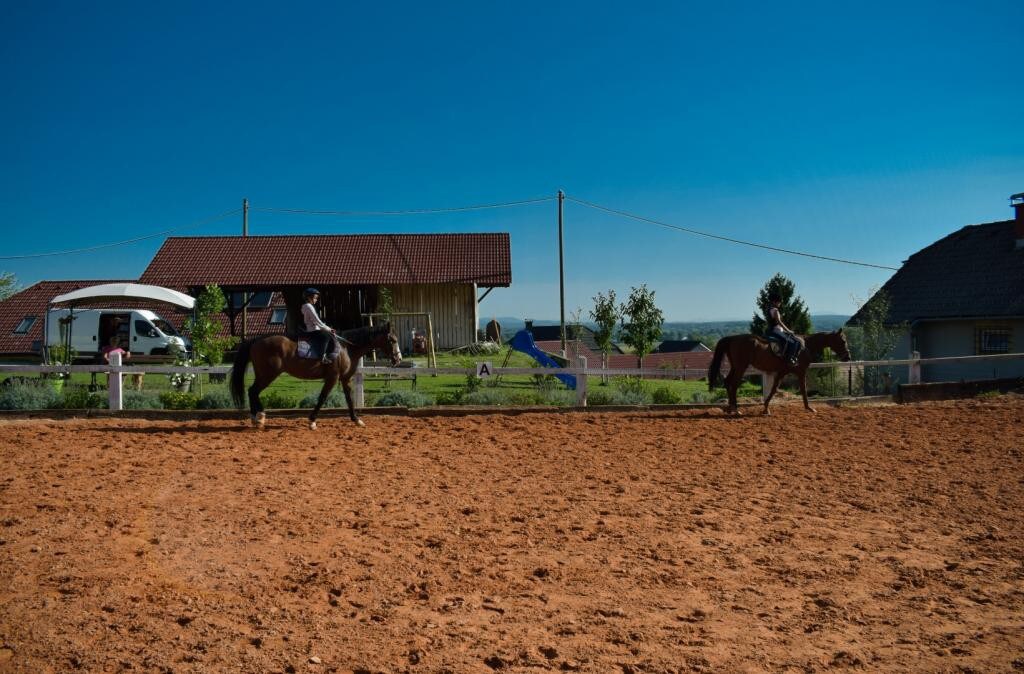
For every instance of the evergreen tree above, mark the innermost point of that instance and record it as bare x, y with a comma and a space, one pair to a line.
793, 310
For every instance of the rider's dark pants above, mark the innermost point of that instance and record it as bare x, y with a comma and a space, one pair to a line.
319, 340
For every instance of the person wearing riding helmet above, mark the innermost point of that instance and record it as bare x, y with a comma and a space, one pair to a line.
316, 328
780, 331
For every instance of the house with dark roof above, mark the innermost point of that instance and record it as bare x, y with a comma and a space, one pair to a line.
436, 274
680, 346
963, 295
575, 333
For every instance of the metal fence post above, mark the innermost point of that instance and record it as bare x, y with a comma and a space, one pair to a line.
915, 367
116, 396
581, 383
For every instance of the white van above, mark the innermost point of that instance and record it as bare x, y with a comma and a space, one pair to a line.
139, 331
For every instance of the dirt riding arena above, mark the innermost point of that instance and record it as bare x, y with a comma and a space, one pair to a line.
885, 538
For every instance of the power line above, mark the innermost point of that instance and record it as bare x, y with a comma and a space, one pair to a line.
626, 214
417, 211
120, 243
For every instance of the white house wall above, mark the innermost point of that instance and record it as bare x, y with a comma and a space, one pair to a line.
936, 339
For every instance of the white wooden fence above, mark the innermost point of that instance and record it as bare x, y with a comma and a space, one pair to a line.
116, 371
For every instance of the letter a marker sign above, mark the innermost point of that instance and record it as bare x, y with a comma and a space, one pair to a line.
483, 369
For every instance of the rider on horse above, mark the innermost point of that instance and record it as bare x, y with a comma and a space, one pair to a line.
316, 330
778, 330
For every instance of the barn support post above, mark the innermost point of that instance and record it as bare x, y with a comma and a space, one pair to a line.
581, 383
915, 367
116, 395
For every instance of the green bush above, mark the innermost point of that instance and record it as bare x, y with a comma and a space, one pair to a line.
29, 397
404, 399
663, 395
142, 400
179, 400
617, 397
703, 397
559, 397
335, 398
217, 399
493, 396
81, 398
633, 388
451, 397
275, 400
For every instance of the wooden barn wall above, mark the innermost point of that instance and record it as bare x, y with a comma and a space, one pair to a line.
452, 308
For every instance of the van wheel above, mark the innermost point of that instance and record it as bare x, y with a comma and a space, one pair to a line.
158, 352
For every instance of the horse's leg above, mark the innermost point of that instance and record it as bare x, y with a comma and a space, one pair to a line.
803, 388
347, 387
258, 416
776, 380
330, 379
732, 384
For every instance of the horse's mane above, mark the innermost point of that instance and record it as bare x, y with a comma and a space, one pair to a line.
364, 335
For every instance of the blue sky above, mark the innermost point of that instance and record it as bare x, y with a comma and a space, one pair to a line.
863, 132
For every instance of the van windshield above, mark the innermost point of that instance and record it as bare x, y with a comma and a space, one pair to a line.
164, 326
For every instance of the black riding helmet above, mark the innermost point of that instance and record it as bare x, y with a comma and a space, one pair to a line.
310, 292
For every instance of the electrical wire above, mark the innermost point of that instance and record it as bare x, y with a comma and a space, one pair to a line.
418, 211
121, 243
641, 218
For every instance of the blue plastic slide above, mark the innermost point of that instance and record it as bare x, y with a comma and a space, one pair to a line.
523, 341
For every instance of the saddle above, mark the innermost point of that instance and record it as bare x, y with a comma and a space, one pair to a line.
777, 346
309, 346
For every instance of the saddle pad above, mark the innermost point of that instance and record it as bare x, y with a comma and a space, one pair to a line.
305, 349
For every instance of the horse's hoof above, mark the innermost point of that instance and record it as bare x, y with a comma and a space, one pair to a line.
312, 425
812, 410
359, 422
260, 420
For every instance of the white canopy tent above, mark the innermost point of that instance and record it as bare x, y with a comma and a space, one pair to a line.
114, 291
126, 291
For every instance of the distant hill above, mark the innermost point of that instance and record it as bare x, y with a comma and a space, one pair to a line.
708, 332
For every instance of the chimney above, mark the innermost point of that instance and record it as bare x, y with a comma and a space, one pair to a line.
1017, 201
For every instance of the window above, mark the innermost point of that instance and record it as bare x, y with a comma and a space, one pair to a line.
259, 300
144, 329
992, 340
278, 315
25, 325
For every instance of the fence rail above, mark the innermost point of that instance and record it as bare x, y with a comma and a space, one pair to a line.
116, 371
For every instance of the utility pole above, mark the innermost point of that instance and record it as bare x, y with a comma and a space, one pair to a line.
561, 271
245, 233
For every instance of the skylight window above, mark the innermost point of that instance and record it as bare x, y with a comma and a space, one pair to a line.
25, 325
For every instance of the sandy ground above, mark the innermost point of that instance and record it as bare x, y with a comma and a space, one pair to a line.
875, 538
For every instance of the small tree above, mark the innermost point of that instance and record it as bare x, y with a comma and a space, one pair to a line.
606, 315
874, 339
641, 322
793, 310
207, 344
8, 285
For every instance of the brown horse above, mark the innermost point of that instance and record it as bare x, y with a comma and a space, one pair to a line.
275, 354
750, 350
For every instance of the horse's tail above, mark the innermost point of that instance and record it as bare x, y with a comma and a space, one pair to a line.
716, 362
238, 373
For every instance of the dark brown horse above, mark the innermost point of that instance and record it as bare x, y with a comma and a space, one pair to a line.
275, 354
752, 351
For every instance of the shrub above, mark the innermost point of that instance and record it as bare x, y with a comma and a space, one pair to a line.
632, 387
617, 397
703, 397
29, 397
217, 399
493, 396
275, 400
559, 397
139, 400
81, 398
663, 395
179, 400
404, 399
335, 398
451, 397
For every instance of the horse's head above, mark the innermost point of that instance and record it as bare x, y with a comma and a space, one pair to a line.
837, 342
387, 342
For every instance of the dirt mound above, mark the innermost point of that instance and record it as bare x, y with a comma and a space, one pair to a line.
881, 538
